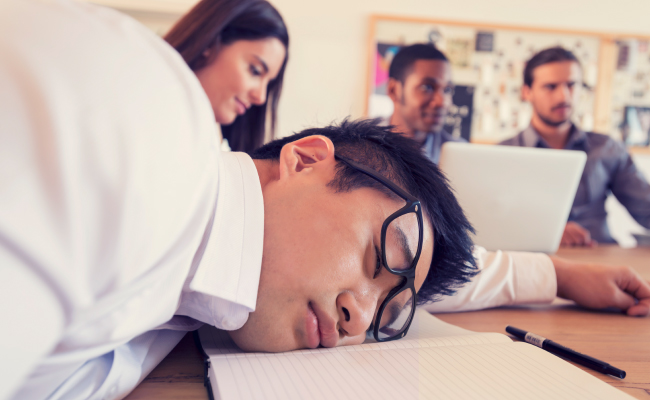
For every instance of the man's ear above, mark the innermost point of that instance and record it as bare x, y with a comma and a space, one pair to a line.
525, 92
306, 154
395, 90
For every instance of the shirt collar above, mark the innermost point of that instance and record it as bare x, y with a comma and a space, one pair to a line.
531, 138
577, 138
221, 289
431, 146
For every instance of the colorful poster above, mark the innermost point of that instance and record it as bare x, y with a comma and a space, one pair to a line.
383, 57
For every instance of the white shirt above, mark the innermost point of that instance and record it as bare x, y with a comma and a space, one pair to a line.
505, 278
117, 210
121, 224
227, 264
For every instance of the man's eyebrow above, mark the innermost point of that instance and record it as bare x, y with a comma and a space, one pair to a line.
438, 82
394, 312
266, 67
556, 83
379, 259
404, 244
406, 250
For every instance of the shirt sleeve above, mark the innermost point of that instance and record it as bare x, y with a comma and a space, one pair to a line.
505, 278
24, 339
115, 374
631, 188
32, 307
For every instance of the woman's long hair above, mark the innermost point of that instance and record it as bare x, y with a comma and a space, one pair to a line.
212, 23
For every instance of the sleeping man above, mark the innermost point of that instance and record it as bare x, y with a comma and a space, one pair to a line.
122, 225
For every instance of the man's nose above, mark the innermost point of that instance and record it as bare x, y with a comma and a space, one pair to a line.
355, 312
564, 93
441, 99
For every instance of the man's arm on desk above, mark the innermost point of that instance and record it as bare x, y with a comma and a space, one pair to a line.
511, 278
602, 286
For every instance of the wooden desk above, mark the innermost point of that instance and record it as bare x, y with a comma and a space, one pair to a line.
620, 340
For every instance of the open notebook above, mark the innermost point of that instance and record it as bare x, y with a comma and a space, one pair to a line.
435, 360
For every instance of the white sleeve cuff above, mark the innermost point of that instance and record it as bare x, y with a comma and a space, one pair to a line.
505, 278
535, 278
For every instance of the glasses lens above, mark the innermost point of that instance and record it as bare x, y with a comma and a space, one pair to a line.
397, 315
402, 237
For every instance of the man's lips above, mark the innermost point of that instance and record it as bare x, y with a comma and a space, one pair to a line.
311, 325
320, 328
562, 107
329, 335
435, 117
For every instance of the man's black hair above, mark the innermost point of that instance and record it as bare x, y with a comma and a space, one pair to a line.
402, 161
403, 61
546, 56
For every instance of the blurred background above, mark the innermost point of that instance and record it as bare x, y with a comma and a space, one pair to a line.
340, 49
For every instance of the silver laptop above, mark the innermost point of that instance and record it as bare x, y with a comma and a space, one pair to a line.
517, 198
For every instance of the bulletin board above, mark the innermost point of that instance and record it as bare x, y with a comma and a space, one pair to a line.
487, 66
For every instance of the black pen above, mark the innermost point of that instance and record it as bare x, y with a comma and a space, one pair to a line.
565, 352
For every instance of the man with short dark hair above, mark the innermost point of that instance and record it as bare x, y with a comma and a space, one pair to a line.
421, 89
552, 82
370, 166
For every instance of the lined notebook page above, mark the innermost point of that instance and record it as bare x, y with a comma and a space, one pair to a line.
492, 371
435, 360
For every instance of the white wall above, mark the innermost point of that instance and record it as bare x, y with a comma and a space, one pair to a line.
326, 75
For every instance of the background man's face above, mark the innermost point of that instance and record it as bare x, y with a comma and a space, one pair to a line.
424, 98
554, 91
319, 263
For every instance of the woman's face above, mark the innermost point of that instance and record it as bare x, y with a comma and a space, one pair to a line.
238, 76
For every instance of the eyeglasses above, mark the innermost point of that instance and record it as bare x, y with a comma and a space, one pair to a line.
399, 232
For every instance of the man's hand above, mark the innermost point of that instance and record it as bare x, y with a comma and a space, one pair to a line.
576, 236
601, 286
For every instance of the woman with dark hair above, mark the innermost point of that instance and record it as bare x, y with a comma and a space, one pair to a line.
238, 51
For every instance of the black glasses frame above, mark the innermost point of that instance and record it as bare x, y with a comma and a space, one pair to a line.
412, 206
